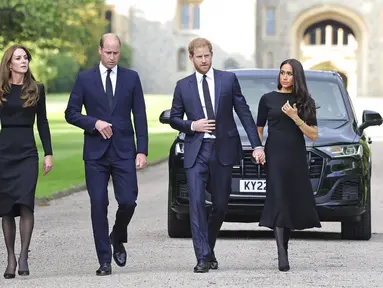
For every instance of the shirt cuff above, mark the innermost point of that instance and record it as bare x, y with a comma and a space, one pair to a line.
191, 126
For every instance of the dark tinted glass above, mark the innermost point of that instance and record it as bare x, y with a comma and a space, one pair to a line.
326, 94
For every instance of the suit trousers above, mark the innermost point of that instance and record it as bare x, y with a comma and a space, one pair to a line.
124, 177
207, 173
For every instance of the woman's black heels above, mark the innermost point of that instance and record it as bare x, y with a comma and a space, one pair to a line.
283, 262
13, 275
9, 275
23, 273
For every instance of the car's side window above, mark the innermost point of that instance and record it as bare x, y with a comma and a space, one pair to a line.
328, 96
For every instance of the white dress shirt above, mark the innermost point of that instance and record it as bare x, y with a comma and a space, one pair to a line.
113, 76
210, 82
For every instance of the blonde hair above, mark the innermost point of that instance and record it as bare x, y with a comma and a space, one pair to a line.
29, 92
198, 43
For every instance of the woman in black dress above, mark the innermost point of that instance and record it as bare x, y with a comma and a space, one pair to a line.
21, 99
290, 113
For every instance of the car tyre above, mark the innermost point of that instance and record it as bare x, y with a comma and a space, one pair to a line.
178, 228
360, 230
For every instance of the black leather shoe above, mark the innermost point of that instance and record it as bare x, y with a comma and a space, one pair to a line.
119, 252
213, 262
105, 269
202, 266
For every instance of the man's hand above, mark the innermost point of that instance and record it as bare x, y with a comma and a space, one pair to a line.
141, 161
204, 125
104, 128
259, 155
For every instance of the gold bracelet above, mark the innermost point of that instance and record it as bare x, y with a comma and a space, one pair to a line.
301, 122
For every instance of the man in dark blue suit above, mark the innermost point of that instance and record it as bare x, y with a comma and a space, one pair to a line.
110, 94
212, 144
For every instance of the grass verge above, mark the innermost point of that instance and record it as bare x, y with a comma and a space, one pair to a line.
67, 142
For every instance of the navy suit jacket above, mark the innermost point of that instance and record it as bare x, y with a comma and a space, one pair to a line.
228, 95
128, 98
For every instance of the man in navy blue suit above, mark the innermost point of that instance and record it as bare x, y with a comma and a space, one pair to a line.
212, 144
110, 94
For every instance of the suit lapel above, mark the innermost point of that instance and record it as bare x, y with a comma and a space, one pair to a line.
99, 86
217, 92
119, 87
194, 87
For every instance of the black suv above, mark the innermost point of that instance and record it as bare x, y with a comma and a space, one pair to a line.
339, 160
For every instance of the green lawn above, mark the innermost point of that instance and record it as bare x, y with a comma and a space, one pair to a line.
67, 142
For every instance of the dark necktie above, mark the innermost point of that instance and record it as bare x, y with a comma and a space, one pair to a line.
109, 88
208, 103
206, 95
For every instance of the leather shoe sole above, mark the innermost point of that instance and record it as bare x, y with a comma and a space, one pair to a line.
214, 265
202, 268
104, 272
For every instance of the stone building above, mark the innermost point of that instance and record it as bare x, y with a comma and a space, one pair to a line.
346, 36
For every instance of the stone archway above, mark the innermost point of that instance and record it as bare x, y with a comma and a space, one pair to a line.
349, 18
329, 66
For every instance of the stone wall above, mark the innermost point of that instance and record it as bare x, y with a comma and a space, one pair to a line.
237, 31
361, 14
156, 40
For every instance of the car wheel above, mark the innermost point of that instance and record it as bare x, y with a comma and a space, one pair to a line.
178, 228
360, 230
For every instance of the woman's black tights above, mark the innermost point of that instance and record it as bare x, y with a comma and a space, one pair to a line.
9, 231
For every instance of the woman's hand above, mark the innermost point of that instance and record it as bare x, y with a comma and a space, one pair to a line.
48, 164
259, 156
292, 112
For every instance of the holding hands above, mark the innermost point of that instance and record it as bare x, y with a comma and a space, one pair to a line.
259, 155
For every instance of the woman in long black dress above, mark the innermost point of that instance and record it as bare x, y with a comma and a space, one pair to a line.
21, 99
290, 113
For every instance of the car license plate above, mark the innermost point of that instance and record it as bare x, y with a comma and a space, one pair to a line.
252, 186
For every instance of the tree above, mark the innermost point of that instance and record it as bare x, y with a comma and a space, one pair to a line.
59, 33
68, 24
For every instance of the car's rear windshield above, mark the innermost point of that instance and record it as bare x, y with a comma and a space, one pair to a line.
326, 94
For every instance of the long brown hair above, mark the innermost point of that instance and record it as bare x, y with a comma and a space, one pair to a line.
29, 92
